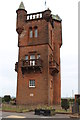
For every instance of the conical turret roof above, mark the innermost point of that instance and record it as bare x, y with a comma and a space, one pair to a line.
21, 6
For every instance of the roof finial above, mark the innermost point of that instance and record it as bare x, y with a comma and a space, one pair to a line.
45, 4
21, 6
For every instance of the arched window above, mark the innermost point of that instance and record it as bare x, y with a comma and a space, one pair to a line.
36, 32
30, 32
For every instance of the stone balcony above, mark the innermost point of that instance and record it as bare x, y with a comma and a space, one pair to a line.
33, 65
16, 66
54, 67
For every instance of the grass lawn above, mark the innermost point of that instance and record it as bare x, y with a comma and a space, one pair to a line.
63, 111
14, 108
22, 108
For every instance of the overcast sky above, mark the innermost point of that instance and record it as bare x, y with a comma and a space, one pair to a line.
68, 11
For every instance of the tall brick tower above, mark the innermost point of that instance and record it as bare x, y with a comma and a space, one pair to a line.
38, 66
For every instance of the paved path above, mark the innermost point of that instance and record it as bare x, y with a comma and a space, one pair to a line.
0, 115
30, 115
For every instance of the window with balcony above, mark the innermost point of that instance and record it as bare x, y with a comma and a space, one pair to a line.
31, 83
32, 60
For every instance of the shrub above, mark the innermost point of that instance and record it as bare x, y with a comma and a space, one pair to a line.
65, 104
7, 98
71, 100
78, 101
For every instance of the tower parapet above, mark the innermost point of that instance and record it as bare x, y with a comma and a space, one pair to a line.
47, 14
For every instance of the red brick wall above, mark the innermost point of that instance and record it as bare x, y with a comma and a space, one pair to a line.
56, 77
42, 33
41, 86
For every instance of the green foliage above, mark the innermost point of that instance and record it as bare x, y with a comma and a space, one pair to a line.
71, 100
78, 101
65, 104
0, 98
6, 98
3, 100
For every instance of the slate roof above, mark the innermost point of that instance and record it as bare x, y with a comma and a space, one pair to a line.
21, 6
56, 17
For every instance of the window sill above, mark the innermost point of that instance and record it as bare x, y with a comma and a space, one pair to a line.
31, 86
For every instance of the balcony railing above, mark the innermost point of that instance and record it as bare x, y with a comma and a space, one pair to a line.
54, 67
33, 16
32, 62
31, 65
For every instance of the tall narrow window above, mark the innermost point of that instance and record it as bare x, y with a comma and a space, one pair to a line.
30, 32
32, 60
36, 32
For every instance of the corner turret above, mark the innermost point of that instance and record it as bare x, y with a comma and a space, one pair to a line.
47, 14
21, 18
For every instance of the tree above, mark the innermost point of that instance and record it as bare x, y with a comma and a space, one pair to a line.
7, 98
65, 104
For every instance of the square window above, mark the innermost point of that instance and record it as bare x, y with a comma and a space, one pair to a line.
32, 57
31, 83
